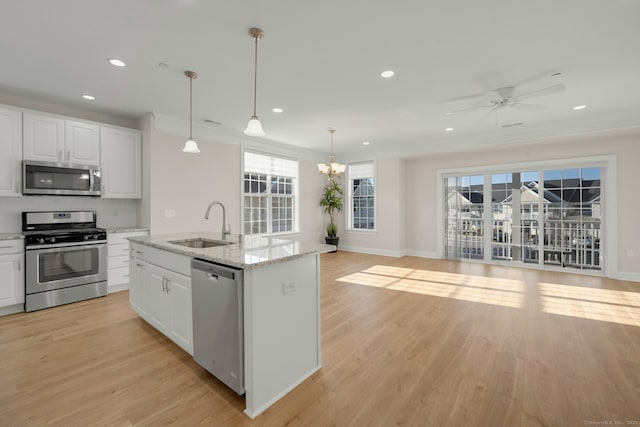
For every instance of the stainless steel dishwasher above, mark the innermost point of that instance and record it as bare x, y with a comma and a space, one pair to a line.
218, 342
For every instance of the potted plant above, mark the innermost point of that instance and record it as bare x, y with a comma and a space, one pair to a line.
331, 202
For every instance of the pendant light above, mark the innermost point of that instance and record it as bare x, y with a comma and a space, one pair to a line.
191, 146
333, 168
254, 127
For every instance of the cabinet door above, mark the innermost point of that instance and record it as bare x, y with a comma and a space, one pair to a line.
121, 163
82, 143
11, 149
140, 287
181, 330
12, 283
43, 138
160, 304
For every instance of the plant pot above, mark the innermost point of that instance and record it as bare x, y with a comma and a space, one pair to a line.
332, 241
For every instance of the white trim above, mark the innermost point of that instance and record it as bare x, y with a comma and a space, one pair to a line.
371, 251
262, 408
166, 123
11, 309
421, 254
117, 288
628, 276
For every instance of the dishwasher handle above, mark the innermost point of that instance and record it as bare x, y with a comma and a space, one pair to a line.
214, 271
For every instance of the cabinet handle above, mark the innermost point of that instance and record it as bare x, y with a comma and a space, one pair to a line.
6, 247
164, 284
19, 265
139, 265
68, 154
59, 154
125, 275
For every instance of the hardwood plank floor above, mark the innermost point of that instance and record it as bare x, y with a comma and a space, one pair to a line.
406, 341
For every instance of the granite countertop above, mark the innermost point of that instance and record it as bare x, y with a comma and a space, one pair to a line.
11, 236
253, 251
124, 229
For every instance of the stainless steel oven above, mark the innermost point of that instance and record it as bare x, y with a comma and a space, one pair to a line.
65, 258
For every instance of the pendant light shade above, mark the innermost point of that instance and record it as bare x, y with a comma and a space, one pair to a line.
191, 146
333, 168
254, 127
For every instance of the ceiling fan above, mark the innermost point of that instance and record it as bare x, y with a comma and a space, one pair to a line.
506, 97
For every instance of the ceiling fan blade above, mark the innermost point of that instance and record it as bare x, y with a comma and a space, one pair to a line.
464, 110
528, 107
540, 92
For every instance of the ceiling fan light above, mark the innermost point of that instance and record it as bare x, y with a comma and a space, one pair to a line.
254, 127
191, 146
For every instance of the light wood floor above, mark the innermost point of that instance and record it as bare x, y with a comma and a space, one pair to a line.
407, 341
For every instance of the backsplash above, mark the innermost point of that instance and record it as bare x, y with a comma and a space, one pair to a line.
112, 213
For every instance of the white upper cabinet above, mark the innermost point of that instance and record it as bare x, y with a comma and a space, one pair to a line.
82, 143
11, 149
53, 139
43, 138
121, 157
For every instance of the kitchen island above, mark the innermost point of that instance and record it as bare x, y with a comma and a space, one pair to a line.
280, 302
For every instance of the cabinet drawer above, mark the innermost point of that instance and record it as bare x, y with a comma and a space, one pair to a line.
168, 260
118, 276
13, 246
121, 249
118, 262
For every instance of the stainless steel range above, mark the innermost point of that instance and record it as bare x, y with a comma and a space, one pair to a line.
65, 258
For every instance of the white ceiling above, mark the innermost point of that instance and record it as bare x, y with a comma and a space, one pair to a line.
321, 61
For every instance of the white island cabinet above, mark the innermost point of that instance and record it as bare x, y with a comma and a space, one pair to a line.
280, 304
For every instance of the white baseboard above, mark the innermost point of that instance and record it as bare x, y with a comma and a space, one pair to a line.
11, 309
117, 288
371, 251
421, 254
632, 277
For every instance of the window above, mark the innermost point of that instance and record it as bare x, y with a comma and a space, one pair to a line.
270, 193
541, 217
361, 196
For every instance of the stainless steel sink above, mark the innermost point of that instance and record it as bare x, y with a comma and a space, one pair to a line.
200, 243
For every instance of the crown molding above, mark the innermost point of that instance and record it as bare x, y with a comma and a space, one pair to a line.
169, 124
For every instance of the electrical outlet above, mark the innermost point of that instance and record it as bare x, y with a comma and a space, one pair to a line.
169, 213
630, 253
289, 287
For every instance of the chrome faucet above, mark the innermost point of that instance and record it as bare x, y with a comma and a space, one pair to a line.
224, 218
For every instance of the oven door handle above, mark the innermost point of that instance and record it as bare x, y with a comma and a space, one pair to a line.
66, 245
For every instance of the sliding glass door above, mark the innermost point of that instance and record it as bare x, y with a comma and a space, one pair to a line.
539, 217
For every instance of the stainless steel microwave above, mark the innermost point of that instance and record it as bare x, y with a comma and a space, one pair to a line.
60, 179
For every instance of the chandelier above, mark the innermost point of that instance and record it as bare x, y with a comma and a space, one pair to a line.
333, 168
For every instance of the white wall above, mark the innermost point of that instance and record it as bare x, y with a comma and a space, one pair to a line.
187, 183
388, 239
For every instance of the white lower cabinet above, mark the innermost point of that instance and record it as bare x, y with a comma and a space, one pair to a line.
161, 296
11, 276
118, 275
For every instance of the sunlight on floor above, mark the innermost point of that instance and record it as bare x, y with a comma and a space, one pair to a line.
590, 303
486, 290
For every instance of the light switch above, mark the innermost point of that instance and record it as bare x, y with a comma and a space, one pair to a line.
169, 213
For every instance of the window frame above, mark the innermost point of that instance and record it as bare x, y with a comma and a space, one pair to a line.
350, 199
269, 196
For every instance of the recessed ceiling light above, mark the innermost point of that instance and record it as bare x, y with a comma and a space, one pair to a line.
579, 107
366, 143
116, 62
277, 110
387, 74
449, 129
89, 97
